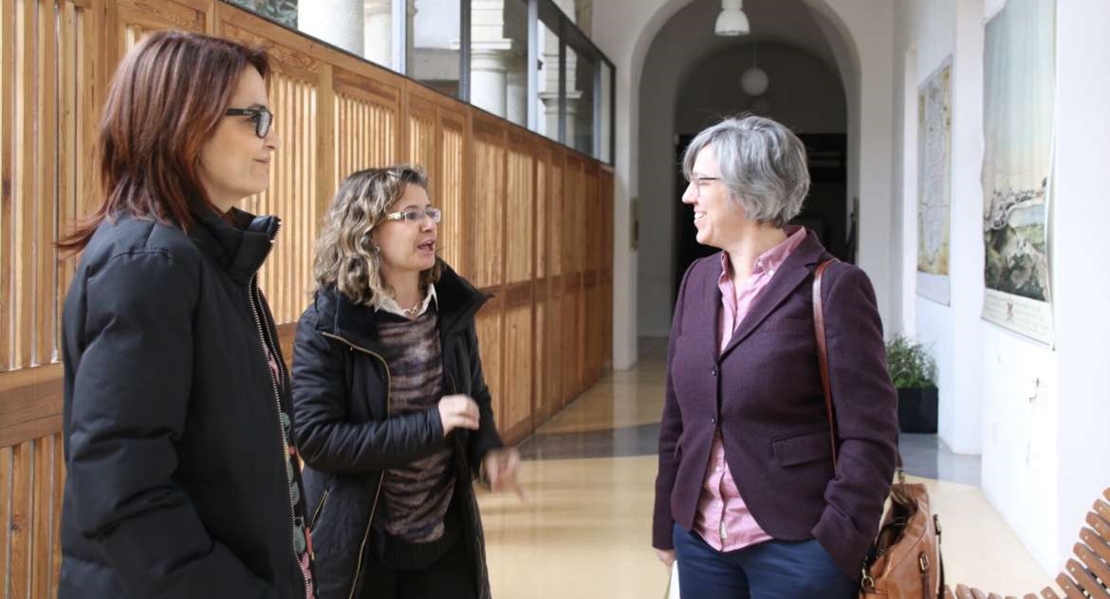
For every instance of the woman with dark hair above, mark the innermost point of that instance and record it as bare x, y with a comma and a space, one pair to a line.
182, 481
393, 413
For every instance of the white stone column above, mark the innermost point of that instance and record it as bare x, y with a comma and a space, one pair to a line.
378, 27
489, 55
489, 63
516, 90
338, 22
410, 35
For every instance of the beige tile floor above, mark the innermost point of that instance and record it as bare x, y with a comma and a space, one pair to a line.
584, 530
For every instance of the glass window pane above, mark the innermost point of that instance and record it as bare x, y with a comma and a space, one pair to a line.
547, 109
498, 58
362, 27
606, 154
433, 48
580, 101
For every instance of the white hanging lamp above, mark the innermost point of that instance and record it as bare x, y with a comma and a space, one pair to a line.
732, 21
754, 81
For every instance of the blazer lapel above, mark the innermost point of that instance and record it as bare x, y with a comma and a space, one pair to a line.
711, 309
793, 272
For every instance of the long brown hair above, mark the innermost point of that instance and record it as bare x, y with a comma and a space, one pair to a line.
165, 100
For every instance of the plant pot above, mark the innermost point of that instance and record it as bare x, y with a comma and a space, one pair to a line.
917, 410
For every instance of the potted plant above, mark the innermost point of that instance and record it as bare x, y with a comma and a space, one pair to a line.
914, 374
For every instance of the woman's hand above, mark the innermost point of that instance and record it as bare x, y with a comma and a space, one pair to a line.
499, 467
666, 556
458, 411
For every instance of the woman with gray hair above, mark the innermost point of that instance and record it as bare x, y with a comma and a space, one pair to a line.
392, 412
747, 495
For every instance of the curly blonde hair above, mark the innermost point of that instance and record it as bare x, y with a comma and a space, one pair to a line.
346, 256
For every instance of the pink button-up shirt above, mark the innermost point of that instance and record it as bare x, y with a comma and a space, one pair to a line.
723, 519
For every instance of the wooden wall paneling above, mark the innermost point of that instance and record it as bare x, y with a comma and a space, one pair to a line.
488, 202
45, 205
295, 84
421, 116
22, 212
19, 522
519, 288
516, 405
490, 342
607, 266
541, 320
58, 485
137, 18
43, 525
572, 279
450, 191
8, 99
6, 489
368, 122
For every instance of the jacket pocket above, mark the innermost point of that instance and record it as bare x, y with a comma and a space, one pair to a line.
320, 504
802, 448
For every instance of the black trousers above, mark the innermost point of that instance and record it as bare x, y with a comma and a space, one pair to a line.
451, 577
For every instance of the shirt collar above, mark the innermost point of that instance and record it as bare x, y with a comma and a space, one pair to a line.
388, 304
770, 260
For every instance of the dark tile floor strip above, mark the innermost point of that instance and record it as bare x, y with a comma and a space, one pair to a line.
923, 455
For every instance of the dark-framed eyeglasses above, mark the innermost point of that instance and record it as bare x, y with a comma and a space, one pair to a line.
413, 215
262, 118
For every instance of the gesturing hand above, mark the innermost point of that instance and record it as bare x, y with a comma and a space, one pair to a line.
458, 411
499, 467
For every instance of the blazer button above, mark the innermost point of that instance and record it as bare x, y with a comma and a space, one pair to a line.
714, 371
713, 419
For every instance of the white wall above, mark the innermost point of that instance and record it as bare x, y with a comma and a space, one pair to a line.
1038, 415
1081, 284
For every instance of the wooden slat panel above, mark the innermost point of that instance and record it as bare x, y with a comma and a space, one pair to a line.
488, 324
488, 209
45, 203
6, 488
58, 486
520, 197
7, 165
517, 405
19, 522
449, 193
42, 517
23, 213
286, 278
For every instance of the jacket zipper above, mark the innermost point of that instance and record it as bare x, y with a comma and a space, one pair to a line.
381, 479
252, 290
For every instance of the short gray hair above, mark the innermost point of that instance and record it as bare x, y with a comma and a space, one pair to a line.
762, 163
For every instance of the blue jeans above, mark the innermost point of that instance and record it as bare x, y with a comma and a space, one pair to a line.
770, 570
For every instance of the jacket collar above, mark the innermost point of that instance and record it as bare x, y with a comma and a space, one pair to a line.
794, 271
458, 301
238, 241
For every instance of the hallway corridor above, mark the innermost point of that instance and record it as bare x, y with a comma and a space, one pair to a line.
585, 527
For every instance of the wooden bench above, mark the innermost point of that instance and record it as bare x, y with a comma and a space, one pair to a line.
1083, 578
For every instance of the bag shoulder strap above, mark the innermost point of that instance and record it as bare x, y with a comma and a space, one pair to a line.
822, 349
823, 359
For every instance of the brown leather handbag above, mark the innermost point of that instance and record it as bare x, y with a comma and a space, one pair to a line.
904, 562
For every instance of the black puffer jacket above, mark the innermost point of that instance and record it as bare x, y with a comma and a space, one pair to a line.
177, 480
347, 439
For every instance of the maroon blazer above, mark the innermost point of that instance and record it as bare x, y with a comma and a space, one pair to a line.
764, 392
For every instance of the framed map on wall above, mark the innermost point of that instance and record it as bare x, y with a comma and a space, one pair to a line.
1019, 78
934, 183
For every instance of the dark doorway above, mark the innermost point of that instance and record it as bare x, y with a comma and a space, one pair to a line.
825, 210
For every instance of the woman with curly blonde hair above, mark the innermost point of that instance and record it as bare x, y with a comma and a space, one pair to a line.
392, 412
